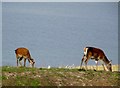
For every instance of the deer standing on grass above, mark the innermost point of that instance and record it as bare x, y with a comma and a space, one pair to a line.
95, 54
24, 53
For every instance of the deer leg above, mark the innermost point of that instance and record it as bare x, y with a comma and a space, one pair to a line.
24, 62
86, 61
29, 62
103, 67
81, 62
20, 61
17, 61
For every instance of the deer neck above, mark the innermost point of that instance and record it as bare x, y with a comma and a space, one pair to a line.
106, 61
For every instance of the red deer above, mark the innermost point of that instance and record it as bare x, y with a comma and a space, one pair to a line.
24, 53
95, 54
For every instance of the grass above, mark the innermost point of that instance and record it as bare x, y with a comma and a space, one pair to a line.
24, 76
100, 67
17, 69
26, 81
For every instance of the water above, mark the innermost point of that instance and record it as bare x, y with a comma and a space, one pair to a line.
56, 33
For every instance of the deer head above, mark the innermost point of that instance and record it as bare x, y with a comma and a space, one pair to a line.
32, 62
109, 66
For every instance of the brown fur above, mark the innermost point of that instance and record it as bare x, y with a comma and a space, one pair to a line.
23, 53
95, 54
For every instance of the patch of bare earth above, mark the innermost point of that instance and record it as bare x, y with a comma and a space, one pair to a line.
62, 77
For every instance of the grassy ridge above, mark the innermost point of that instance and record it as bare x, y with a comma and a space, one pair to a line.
22, 76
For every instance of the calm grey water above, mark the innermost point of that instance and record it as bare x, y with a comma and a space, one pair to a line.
56, 33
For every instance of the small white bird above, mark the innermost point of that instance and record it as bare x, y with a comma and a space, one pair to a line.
66, 66
49, 67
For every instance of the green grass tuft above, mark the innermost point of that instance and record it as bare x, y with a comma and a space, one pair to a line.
26, 76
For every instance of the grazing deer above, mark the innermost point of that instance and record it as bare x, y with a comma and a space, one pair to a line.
95, 54
24, 53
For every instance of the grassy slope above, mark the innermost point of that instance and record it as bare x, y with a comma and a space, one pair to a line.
21, 76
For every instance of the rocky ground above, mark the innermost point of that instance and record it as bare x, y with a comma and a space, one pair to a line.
21, 76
